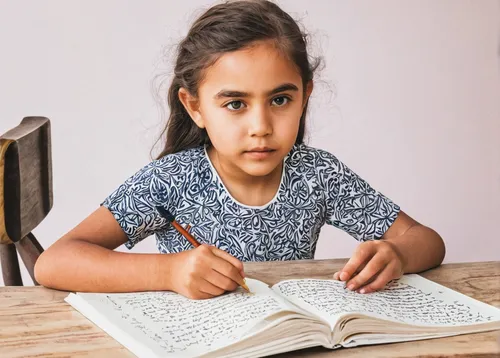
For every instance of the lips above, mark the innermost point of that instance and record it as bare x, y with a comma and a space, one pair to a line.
260, 150
260, 153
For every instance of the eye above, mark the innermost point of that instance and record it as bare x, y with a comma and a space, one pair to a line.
234, 105
281, 101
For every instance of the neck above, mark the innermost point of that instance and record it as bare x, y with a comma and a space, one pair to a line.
247, 189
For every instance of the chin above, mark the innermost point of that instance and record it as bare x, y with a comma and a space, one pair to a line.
260, 169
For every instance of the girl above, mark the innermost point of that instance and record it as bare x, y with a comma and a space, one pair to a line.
235, 167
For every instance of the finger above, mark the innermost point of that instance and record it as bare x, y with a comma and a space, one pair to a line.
381, 280
200, 296
336, 275
229, 258
362, 254
373, 278
219, 280
373, 267
227, 269
210, 289
355, 274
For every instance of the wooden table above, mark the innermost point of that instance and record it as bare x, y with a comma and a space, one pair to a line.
36, 322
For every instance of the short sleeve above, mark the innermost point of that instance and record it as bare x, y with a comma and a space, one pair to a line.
133, 202
352, 204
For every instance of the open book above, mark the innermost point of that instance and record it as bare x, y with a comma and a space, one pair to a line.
290, 315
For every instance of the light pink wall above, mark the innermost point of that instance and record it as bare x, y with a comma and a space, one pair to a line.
417, 110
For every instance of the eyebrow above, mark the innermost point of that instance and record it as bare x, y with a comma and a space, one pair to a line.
229, 93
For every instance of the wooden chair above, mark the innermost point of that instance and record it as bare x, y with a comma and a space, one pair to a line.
25, 194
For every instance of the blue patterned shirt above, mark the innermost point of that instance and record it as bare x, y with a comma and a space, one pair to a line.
316, 188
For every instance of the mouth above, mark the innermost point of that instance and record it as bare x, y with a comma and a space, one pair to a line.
260, 152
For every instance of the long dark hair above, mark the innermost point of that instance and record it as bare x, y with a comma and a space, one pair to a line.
224, 28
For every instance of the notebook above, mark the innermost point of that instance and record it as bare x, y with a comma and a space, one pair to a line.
290, 315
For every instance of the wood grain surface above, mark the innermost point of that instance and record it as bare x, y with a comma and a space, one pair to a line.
36, 322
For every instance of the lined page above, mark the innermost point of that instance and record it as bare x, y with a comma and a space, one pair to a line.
411, 299
168, 324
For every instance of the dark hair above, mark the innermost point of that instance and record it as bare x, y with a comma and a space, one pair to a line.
224, 28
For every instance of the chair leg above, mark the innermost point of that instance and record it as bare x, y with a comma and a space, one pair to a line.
10, 265
29, 250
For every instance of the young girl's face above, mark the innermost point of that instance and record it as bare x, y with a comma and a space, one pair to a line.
250, 102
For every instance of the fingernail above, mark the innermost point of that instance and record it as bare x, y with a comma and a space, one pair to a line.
350, 287
343, 276
362, 290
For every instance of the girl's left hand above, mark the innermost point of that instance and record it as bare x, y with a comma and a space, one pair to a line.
372, 266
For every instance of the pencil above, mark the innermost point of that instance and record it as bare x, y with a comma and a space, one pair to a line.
167, 215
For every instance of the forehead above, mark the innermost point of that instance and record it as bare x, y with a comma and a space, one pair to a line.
256, 69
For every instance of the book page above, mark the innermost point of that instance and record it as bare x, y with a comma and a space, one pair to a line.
412, 299
168, 324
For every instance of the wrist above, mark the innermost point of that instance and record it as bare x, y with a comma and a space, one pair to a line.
400, 254
163, 277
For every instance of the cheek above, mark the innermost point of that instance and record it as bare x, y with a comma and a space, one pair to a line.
287, 123
222, 128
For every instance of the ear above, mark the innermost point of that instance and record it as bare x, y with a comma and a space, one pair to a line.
191, 104
307, 94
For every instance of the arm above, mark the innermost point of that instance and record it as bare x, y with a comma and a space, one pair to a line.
420, 247
83, 260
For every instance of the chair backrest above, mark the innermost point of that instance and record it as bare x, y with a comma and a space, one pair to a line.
26, 187
25, 195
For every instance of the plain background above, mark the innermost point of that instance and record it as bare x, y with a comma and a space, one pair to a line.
409, 98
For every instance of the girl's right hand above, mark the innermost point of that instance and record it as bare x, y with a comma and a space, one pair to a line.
205, 272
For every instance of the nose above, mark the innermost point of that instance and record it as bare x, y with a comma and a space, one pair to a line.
260, 123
